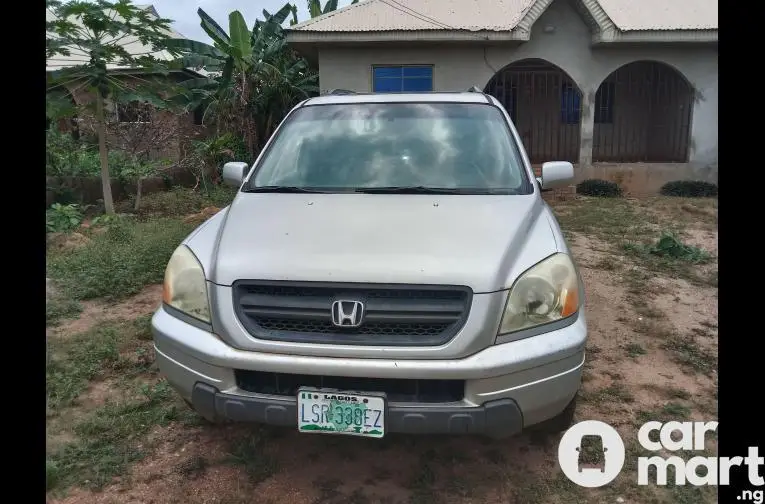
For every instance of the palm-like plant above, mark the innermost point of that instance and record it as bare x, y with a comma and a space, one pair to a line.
255, 78
88, 37
315, 9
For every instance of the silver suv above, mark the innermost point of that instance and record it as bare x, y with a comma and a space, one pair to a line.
388, 265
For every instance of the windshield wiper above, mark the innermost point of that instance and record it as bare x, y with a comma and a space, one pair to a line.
281, 189
409, 190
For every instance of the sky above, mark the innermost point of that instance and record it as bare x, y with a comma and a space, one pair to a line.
186, 21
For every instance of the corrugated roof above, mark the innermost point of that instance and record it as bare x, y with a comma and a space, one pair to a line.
632, 15
131, 44
503, 15
415, 15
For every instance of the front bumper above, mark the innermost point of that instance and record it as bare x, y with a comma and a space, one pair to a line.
507, 387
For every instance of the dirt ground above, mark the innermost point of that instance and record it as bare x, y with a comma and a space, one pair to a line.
652, 354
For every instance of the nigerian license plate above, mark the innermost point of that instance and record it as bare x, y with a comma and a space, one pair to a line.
332, 412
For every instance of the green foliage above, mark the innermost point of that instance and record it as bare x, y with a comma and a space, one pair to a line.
75, 363
315, 10
259, 78
119, 262
111, 439
180, 202
600, 188
97, 33
59, 307
689, 189
62, 218
67, 157
95, 30
669, 245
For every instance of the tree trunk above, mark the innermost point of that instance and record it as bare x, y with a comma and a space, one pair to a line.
138, 194
105, 179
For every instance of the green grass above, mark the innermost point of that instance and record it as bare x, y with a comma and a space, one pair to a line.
74, 362
111, 439
180, 201
614, 393
634, 350
633, 228
686, 351
59, 307
119, 262
250, 453
667, 412
670, 247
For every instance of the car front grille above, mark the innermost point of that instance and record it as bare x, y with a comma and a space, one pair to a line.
394, 315
396, 390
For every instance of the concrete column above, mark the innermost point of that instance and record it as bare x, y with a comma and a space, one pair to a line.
587, 131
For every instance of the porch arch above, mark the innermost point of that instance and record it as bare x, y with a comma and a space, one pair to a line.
642, 113
545, 105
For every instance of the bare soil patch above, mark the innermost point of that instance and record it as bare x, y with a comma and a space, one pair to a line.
98, 311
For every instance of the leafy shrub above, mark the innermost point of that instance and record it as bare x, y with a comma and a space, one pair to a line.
67, 157
62, 218
181, 201
689, 189
670, 246
597, 187
119, 262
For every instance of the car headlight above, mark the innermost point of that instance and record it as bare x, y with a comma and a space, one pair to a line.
185, 286
546, 292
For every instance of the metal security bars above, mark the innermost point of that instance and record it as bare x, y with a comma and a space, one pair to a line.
643, 114
545, 106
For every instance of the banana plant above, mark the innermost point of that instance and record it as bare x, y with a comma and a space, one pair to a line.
254, 75
314, 7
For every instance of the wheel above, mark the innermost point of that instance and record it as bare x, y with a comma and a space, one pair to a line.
558, 423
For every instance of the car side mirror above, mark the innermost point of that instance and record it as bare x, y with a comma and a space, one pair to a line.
556, 174
234, 173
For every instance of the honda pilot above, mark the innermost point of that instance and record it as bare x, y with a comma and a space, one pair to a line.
388, 265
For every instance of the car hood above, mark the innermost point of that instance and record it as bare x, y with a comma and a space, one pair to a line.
481, 242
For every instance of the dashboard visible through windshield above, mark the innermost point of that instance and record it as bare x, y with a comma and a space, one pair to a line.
464, 148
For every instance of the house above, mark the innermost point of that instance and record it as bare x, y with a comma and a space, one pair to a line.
625, 89
134, 123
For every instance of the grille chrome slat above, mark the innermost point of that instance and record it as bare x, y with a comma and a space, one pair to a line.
394, 315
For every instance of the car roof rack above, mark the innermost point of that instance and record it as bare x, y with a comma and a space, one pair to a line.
339, 92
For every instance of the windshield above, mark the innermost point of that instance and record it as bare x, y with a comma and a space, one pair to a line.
464, 148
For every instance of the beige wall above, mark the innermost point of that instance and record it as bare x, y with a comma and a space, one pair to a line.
456, 68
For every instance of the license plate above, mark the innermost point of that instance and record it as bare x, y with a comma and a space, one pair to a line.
334, 412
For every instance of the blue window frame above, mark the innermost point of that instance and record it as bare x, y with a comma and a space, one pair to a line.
570, 104
402, 79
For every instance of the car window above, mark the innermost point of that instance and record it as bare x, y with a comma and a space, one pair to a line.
351, 146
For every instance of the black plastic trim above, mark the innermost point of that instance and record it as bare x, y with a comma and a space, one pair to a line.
350, 338
498, 419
